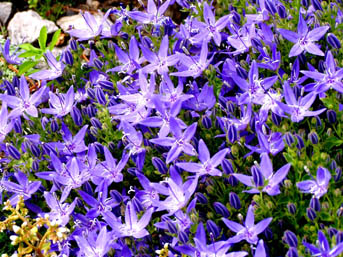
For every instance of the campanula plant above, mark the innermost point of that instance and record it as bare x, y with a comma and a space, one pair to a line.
212, 130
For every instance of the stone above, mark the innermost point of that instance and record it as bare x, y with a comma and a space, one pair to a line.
5, 11
24, 27
78, 22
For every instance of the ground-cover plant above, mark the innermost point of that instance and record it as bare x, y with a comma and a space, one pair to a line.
219, 136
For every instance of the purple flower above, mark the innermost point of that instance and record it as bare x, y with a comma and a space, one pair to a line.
249, 231
332, 78
324, 247
160, 61
304, 39
74, 144
260, 250
95, 245
109, 171
211, 28
132, 227
208, 165
61, 104
317, 186
194, 66
60, 211
153, 15
179, 143
5, 127
12, 59
270, 181
179, 193
55, 71
24, 102
92, 30
201, 248
298, 108
25, 187
131, 61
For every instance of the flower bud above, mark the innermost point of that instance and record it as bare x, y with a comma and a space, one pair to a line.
304, 3
276, 119
289, 138
332, 116
68, 57
234, 200
73, 44
317, 5
206, 122
268, 233
35, 150
97, 63
171, 227
105, 84
159, 165
291, 238
281, 10
44, 122
17, 126
213, 228
311, 214
257, 176
338, 174
318, 122
339, 237
201, 198
54, 125
9, 87
333, 41
94, 131
232, 133
300, 142
313, 137
76, 116
315, 204
333, 165
270, 6
183, 236
35, 165
96, 123
332, 232
291, 208
12, 151
292, 252
91, 93
100, 96
221, 209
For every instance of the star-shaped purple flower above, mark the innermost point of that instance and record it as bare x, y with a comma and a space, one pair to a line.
304, 39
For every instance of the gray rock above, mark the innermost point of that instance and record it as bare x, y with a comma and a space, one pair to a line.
24, 27
5, 11
78, 22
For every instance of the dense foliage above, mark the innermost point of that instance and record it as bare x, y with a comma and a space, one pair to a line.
220, 136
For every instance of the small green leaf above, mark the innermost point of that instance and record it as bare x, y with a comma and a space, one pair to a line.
26, 66
29, 54
43, 35
331, 142
28, 47
54, 39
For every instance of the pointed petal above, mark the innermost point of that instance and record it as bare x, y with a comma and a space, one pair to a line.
266, 166
233, 226
318, 33
204, 154
289, 35
262, 225
250, 218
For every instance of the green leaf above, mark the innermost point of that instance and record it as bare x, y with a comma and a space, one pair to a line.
30, 54
24, 67
54, 39
43, 35
331, 142
28, 47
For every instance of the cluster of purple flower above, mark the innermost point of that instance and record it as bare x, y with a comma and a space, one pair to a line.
153, 138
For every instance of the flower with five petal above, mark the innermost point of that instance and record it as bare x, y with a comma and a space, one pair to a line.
208, 165
317, 186
324, 247
24, 102
304, 39
249, 231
